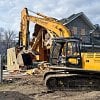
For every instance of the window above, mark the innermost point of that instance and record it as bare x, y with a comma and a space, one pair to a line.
74, 30
82, 31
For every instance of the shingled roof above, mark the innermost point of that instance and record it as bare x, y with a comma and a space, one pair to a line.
97, 27
65, 21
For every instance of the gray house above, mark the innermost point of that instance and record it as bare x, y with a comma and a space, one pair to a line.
80, 26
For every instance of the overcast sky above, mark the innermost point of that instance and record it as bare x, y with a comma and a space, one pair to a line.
10, 10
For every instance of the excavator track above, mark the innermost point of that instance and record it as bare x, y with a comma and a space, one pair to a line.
60, 80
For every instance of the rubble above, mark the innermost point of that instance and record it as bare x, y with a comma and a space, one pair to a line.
42, 67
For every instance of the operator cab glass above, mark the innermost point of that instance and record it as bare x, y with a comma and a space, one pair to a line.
72, 49
73, 54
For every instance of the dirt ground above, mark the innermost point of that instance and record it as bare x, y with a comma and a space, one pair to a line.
32, 88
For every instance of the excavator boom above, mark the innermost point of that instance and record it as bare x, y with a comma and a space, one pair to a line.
47, 22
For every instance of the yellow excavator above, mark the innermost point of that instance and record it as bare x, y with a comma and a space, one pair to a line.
66, 58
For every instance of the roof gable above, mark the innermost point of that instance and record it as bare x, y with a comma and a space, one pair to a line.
66, 21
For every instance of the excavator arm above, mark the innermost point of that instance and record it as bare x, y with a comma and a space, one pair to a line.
48, 23
56, 27
41, 43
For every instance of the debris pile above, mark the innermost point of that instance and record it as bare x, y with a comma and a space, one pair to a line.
42, 67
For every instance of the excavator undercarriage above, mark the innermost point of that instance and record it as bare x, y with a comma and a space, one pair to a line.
62, 78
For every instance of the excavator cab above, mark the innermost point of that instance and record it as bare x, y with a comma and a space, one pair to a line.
73, 53
66, 51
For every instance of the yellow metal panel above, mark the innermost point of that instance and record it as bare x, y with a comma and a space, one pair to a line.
73, 60
91, 61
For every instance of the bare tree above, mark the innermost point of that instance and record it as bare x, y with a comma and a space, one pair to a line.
9, 38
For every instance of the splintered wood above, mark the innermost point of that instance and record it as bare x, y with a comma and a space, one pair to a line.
42, 67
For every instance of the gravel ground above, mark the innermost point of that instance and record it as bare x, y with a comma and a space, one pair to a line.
32, 88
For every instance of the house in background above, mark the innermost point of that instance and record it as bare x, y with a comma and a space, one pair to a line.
80, 26
95, 37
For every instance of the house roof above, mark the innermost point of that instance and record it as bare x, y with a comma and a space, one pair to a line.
65, 21
97, 27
